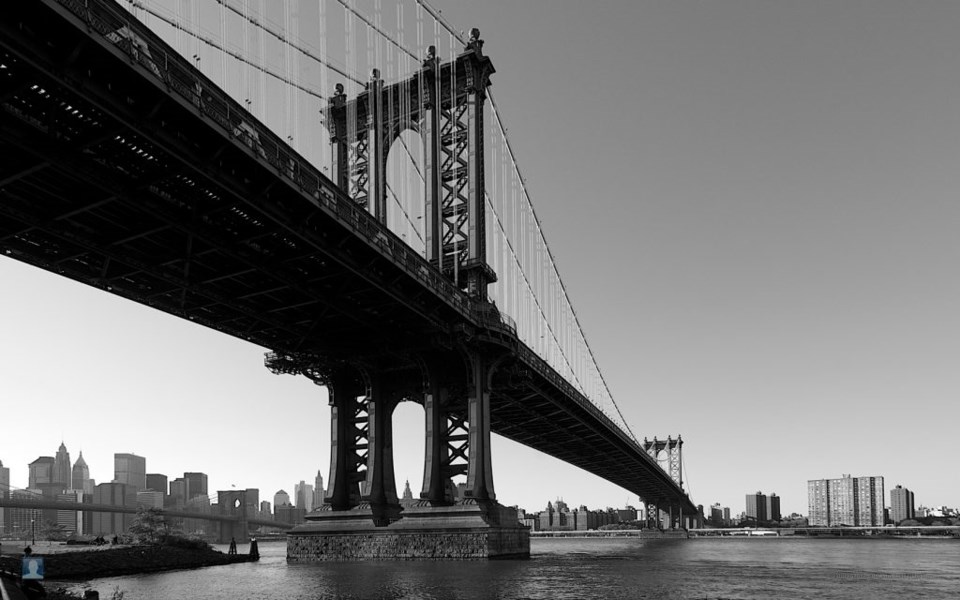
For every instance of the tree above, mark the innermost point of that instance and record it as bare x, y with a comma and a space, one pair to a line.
149, 526
53, 531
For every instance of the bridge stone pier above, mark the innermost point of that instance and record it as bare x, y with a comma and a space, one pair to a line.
451, 376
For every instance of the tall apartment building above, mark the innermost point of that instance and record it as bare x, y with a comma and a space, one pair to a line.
131, 470
757, 507
773, 508
901, 504
856, 501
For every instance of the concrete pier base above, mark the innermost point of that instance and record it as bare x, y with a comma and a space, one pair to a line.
459, 532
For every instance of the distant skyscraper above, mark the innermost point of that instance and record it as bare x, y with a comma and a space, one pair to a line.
81, 476
407, 498
157, 483
113, 494
71, 521
130, 469
265, 511
303, 492
280, 498
773, 508
901, 504
757, 507
318, 491
150, 499
61, 468
846, 501
198, 484
23, 520
716, 515
41, 471
179, 492
4, 494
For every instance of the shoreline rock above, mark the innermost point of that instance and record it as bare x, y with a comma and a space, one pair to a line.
129, 560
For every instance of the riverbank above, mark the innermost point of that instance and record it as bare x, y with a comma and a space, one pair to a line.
90, 562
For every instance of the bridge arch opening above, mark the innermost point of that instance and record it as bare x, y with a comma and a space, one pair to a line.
406, 199
409, 446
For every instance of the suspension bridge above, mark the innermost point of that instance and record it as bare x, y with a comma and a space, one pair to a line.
330, 180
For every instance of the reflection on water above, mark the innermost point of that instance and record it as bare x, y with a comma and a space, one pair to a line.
615, 568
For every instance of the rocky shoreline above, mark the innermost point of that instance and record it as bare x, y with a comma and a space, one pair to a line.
126, 560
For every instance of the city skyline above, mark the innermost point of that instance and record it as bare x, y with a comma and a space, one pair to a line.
753, 208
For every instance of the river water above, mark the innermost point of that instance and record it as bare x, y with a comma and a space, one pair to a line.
607, 568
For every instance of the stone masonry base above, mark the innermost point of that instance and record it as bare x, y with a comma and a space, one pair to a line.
423, 533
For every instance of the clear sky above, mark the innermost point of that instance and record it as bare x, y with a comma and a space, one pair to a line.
754, 206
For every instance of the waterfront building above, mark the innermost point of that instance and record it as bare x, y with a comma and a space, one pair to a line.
773, 508
113, 494
130, 469
756, 508
80, 476
4, 494
855, 501
901, 504
40, 471
198, 484
61, 468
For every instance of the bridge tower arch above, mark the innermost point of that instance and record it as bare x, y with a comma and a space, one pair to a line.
443, 102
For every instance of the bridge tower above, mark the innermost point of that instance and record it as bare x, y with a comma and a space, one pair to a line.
451, 374
668, 454
444, 103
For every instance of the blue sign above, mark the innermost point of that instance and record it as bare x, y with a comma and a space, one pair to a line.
32, 567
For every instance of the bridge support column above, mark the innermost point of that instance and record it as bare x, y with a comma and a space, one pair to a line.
447, 440
348, 440
480, 468
380, 487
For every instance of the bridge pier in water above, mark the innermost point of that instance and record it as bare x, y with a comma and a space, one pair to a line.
362, 517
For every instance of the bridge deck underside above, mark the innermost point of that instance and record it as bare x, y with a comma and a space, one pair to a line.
110, 179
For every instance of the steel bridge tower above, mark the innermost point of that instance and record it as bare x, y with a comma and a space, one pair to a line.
451, 375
